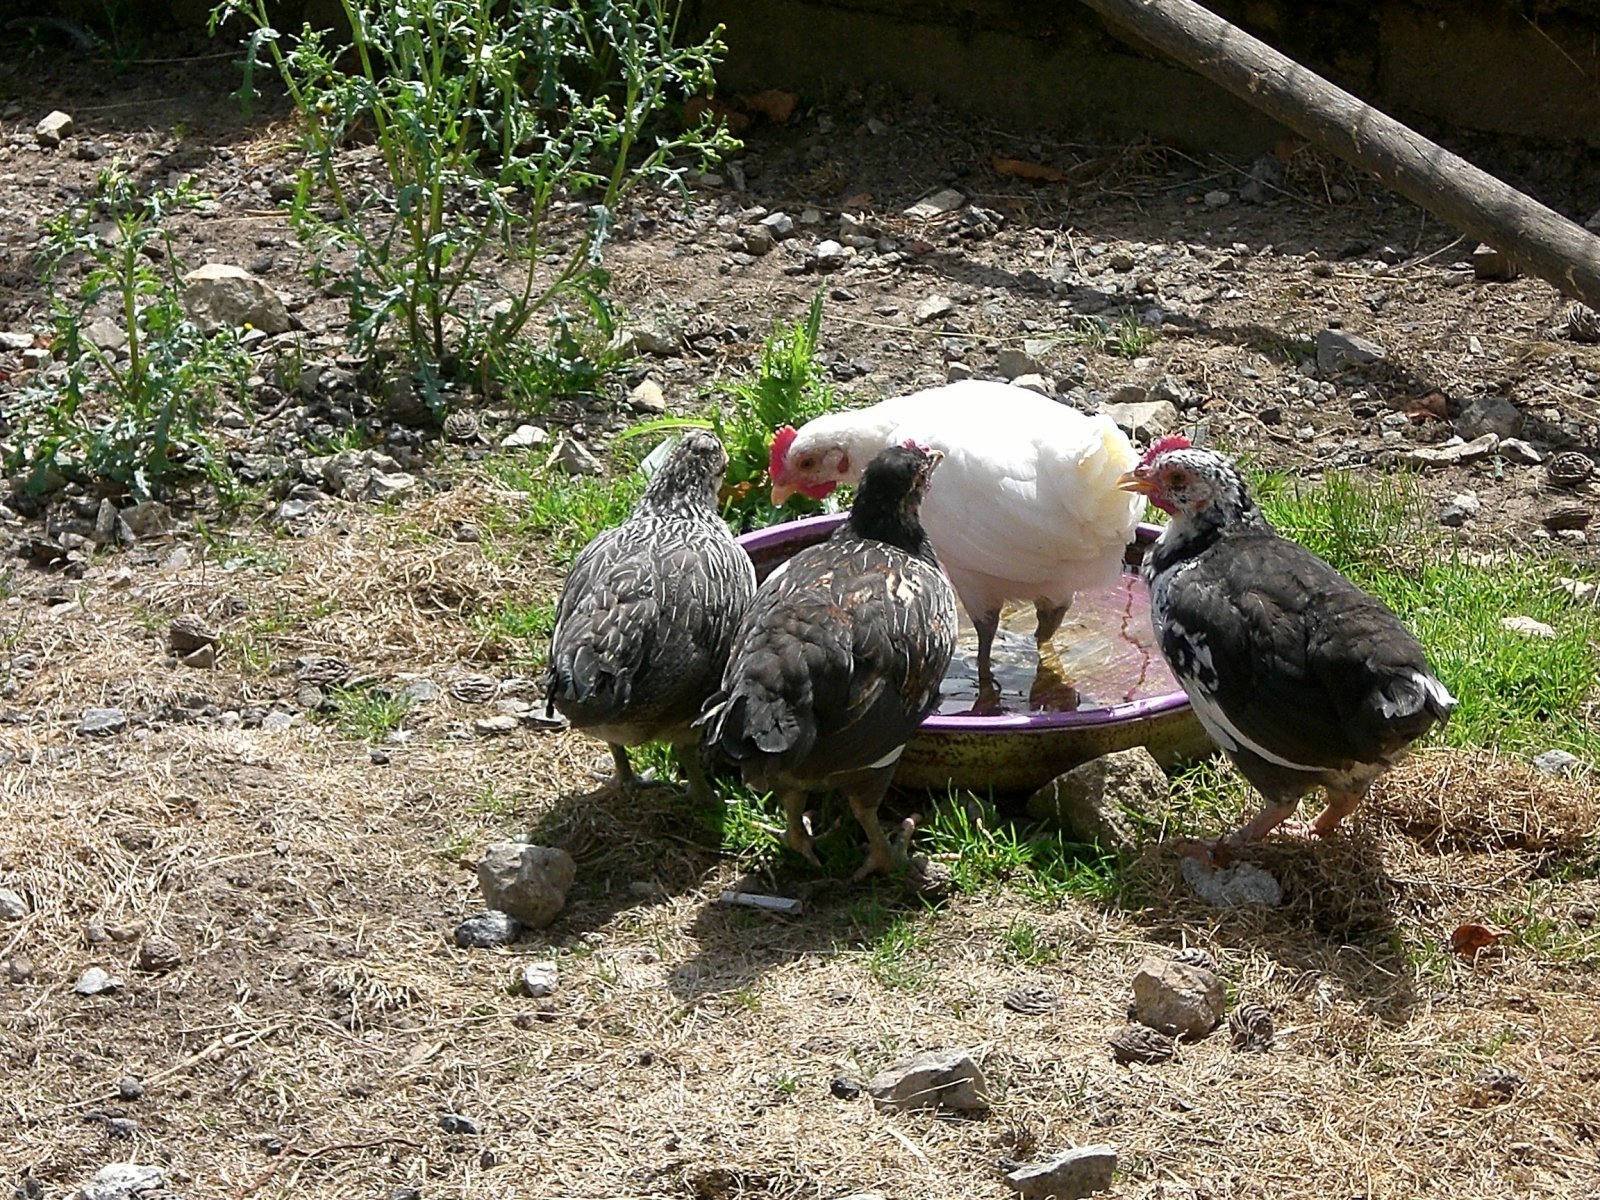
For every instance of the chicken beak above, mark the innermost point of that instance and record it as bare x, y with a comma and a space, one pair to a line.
1131, 482
780, 493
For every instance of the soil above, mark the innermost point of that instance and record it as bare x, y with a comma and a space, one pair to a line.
318, 1025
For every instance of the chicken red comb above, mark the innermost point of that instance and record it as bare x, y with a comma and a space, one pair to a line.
781, 441
913, 444
1175, 441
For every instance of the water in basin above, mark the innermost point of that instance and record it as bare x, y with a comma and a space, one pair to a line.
1105, 650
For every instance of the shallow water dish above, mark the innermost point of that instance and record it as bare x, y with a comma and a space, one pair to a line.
1015, 751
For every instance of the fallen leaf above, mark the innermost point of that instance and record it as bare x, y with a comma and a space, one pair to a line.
919, 247
1472, 940
856, 200
1432, 407
776, 106
1023, 169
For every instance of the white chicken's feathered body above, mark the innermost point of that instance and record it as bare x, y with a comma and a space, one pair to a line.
1027, 506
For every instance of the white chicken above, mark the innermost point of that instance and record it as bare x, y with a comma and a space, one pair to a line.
1027, 506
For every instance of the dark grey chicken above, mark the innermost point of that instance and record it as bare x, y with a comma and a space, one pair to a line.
840, 657
1299, 675
648, 613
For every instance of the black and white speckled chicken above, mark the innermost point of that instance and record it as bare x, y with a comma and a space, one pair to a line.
840, 657
648, 613
1299, 675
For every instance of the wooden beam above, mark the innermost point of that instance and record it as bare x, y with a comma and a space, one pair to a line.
1538, 239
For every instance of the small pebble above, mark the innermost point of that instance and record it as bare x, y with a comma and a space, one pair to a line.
455, 1123
94, 981
487, 930
129, 1088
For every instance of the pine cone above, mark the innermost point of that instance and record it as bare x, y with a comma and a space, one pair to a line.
1194, 956
475, 689
461, 427
1031, 999
322, 670
1140, 1044
1582, 324
1251, 1027
1569, 469
1496, 1085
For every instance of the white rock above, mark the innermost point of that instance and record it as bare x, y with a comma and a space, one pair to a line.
1228, 887
1527, 627
1035, 383
218, 296
52, 128
933, 308
389, 485
1068, 1176
524, 437
946, 200
538, 979
646, 397
123, 1181
94, 981
15, 341
104, 334
935, 1078
1146, 420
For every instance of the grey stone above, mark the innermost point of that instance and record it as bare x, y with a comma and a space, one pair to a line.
456, 1123
419, 691
525, 437
1489, 414
12, 906
955, 372
935, 1078
158, 953
1557, 762
1144, 421
648, 397
1217, 199
661, 336
277, 721
1460, 509
1518, 451
943, 201
52, 127
529, 882
1453, 454
1175, 393
933, 308
222, 296
1035, 383
123, 1181
779, 224
1067, 1176
105, 334
574, 458
102, 722
485, 930
95, 981
129, 1088
10, 340
1340, 351
495, 726
389, 485
1091, 802
829, 255
538, 979
148, 518
1011, 363
1178, 999
1229, 887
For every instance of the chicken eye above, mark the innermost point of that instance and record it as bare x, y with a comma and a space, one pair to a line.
807, 463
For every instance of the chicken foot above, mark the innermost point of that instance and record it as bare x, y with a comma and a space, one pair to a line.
880, 854
1274, 818
988, 701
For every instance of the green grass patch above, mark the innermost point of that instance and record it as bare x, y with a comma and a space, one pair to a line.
986, 851
897, 958
1517, 693
560, 513
365, 713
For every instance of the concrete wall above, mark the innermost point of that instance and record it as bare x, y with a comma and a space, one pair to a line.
1451, 66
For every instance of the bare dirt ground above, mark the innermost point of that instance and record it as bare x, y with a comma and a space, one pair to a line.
312, 1022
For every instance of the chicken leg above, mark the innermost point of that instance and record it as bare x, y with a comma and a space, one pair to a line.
987, 624
795, 835
694, 773
623, 779
864, 803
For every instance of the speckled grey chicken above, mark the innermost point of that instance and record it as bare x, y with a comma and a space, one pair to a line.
1299, 675
840, 657
648, 613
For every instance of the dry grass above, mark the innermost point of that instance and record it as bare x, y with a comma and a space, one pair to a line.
322, 1013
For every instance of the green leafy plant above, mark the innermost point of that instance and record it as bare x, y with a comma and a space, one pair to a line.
496, 124
130, 421
789, 387
366, 713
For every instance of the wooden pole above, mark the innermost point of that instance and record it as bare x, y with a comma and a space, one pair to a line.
1538, 239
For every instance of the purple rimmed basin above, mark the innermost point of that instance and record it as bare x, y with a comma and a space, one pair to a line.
1012, 752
